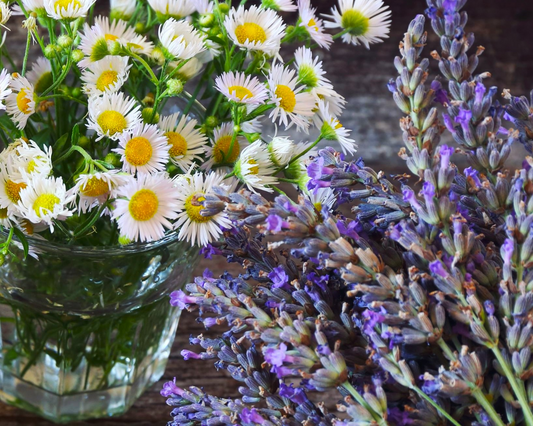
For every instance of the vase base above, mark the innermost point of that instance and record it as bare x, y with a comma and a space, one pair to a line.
80, 406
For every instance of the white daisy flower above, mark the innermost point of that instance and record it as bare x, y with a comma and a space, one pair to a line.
240, 88
40, 75
36, 6
145, 206
113, 114
321, 198
367, 21
313, 24
107, 75
7, 218
67, 9
186, 143
97, 40
188, 70
5, 14
44, 200
222, 151
9, 190
172, 9
29, 160
181, 39
123, 8
255, 168
310, 71
281, 150
293, 105
143, 150
279, 5
192, 225
255, 29
204, 6
5, 80
332, 129
95, 189
20, 103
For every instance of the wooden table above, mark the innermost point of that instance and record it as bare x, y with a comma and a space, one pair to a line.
505, 29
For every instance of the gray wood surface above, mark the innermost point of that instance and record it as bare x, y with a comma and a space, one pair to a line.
506, 31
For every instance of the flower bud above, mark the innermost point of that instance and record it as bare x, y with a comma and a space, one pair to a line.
206, 20
77, 55
223, 8
64, 41
174, 87
123, 240
211, 122
112, 158
85, 142
150, 116
50, 51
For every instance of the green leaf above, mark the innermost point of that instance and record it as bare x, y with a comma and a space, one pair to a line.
75, 134
257, 112
42, 137
105, 164
22, 238
91, 220
59, 145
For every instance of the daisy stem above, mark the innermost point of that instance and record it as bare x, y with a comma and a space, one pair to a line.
345, 31
275, 188
305, 151
153, 77
25, 61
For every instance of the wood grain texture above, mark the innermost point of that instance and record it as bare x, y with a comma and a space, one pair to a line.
505, 29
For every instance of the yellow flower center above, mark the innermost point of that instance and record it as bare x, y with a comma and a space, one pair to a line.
106, 79
254, 169
111, 37
251, 32
312, 24
337, 124
241, 92
178, 144
143, 205
23, 103
221, 150
45, 202
193, 208
138, 151
355, 22
13, 190
318, 206
134, 46
64, 4
95, 187
287, 97
112, 122
3, 213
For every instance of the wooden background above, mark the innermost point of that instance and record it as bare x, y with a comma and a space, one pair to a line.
506, 31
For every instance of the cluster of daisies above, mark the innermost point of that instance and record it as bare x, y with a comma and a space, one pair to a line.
142, 167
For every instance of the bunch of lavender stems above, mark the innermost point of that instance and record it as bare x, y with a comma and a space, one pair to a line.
416, 306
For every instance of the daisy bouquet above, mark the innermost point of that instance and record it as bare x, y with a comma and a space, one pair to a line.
105, 145
116, 130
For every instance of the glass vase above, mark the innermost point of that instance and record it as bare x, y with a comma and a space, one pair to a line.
86, 330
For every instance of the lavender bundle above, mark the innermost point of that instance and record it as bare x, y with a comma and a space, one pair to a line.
416, 307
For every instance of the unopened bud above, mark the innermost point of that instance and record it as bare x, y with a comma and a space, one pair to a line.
77, 55
223, 8
174, 87
140, 27
211, 122
158, 56
206, 20
113, 159
64, 41
50, 51
150, 116
149, 99
85, 142
123, 240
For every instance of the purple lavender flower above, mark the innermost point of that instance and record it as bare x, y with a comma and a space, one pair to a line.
209, 251
473, 174
431, 12
350, 230
448, 122
445, 154
276, 356
464, 117
507, 250
398, 417
489, 307
279, 277
170, 389
428, 191
410, 197
391, 85
181, 300
274, 223
436, 268
252, 416
441, 95
187, 354
296, 395
480, 92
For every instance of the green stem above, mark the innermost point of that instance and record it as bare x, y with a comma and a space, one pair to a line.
153, 77
305, 151
376, 416
487, 406
25, 61
518, 390
435, 405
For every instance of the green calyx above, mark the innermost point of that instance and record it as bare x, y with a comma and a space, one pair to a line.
307, 76
100, 50
355, 22
327, 132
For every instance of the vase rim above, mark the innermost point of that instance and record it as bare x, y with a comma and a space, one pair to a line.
138, 247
